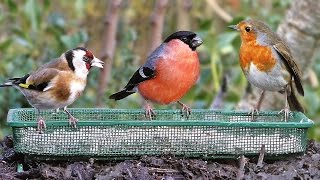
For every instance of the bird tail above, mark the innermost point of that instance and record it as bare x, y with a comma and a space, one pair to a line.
5, 85
9, 83
121, 94
294, 104
15, 81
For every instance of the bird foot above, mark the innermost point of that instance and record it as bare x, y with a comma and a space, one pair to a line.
286, 112
73, 122
254, 113
149, 111
185, 110
41, 125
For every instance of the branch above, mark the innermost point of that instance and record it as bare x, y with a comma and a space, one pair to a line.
107, 53
301, 30
219, 11
183, 13
157, 21
242, 162
217, 102
261, 156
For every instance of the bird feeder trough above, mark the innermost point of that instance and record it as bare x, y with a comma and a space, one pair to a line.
116, 133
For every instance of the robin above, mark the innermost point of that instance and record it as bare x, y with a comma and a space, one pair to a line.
268, 64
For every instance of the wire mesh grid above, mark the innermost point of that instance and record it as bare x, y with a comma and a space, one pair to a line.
206, 133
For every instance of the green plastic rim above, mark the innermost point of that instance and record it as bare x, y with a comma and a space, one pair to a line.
297, 119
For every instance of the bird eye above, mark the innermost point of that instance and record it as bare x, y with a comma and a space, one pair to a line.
86, 59
184, 39
248, 29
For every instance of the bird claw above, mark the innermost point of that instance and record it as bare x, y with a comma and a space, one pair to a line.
286, 112
252, 113
185, 110
149, 113
73, 122
41, 125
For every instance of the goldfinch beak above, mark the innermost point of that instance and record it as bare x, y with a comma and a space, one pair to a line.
97, 63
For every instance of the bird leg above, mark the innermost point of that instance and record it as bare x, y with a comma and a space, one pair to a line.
185, 109
72, 120
286, 109
149, 110
41, 124
256, 107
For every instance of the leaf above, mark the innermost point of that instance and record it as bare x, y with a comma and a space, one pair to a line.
56, 19
46, 4
12, 6
226, 39
79, 7
5, 44
32, 11
74, 40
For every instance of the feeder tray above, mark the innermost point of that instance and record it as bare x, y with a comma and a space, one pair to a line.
116, 133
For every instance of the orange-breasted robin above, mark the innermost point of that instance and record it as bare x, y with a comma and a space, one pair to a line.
268, 64
58, 83
169, 72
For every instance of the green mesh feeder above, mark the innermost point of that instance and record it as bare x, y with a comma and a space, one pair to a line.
116, 133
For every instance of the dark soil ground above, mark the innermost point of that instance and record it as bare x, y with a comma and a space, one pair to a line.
305, 166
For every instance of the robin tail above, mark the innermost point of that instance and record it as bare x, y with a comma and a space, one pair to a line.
294, 104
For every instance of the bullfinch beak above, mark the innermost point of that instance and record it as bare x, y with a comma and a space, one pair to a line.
196, 41
97, 62
234, 27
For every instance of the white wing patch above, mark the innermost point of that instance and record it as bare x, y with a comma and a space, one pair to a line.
142, 73
48, 87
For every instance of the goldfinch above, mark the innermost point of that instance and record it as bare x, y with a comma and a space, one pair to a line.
58, 83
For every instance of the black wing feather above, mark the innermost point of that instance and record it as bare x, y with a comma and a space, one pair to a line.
142, 74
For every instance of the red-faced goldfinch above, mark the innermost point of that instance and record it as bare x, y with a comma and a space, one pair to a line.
58, 83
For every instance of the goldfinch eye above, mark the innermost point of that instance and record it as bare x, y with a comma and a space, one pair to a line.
86, 59
248, 29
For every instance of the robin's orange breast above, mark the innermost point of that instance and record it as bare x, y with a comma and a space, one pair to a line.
174, 77
260, 56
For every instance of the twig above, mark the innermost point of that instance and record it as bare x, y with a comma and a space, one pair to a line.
157, 21
161, 170
258, 105
217, 102
183, 14
242, 162
261, 156
314, 81
219, 11
107, 54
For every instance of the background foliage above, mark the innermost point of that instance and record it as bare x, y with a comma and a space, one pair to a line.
33, 32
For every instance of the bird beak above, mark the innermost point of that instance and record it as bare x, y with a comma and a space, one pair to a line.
97, 62
234, 27
196, 41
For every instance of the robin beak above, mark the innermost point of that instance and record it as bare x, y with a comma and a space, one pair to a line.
97, 62
234, 27
196, 41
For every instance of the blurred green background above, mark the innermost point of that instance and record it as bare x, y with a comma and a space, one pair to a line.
32, 32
